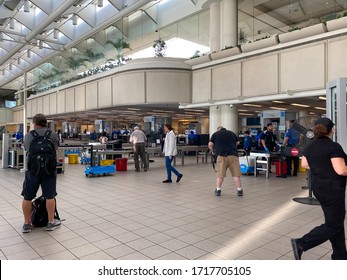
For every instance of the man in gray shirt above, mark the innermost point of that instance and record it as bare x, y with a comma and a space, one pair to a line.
138, 138
32, 181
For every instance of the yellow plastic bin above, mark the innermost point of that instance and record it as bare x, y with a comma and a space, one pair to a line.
106, 162
73, 158
301, 169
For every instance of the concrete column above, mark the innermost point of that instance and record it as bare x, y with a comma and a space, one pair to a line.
302, 113
230, 23
215, 118
215, 26
230, 118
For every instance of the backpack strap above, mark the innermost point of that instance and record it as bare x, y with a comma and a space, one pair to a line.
48, 133
56, 211
34, 133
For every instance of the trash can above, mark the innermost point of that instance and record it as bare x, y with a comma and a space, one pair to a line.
73, 158
284, 168
121, 164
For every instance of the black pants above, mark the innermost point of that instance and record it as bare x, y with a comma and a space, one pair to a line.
140, 151
289, 161
331, 195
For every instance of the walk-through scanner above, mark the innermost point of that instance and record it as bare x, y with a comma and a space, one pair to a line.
336, 94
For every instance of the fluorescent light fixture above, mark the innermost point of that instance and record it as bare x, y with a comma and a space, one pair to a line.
320, 108
279, 102
196, 110
74, 19
252, 105
26, 6
279, 108
134, 109
56, 33
322, 98
300, 105
12, 23
242, 110
28, 53
100, 3
246, 114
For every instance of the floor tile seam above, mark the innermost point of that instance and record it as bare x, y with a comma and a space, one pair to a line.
185, 257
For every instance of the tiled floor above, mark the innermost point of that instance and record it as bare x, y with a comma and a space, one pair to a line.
131, 215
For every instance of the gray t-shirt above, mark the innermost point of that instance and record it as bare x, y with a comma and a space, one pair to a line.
41, 131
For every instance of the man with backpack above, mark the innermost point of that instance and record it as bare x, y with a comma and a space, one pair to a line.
40, 145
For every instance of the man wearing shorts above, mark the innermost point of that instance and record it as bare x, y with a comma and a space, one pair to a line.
224, 143
32, 183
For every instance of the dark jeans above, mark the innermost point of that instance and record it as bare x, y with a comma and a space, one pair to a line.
289, 161
331, 195
140, 151
170, 168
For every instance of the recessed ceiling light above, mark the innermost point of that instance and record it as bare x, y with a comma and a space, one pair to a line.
134, 109
300, 105
246, 114
279, 108
252, 105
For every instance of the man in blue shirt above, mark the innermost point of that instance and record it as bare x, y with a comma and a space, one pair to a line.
247, 142
291, 139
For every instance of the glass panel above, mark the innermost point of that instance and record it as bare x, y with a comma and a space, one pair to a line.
204, 29
258, 19
188, 29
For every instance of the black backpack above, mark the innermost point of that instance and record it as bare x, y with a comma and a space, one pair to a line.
42, 158
39, 215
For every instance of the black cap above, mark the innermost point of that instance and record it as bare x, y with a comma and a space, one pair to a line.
325, 122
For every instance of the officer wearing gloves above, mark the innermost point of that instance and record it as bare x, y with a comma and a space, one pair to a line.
269, 139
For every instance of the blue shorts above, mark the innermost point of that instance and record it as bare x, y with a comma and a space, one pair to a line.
32, 183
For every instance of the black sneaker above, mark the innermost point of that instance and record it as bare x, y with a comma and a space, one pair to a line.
240, 192
26, 228
297, 249
179, 177
217, 192
167, 181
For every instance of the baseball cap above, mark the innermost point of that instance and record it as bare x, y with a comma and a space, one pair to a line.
325, 122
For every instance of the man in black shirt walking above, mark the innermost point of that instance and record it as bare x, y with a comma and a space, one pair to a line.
224, 143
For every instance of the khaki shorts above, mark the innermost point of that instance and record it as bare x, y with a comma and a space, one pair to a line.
231, 162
